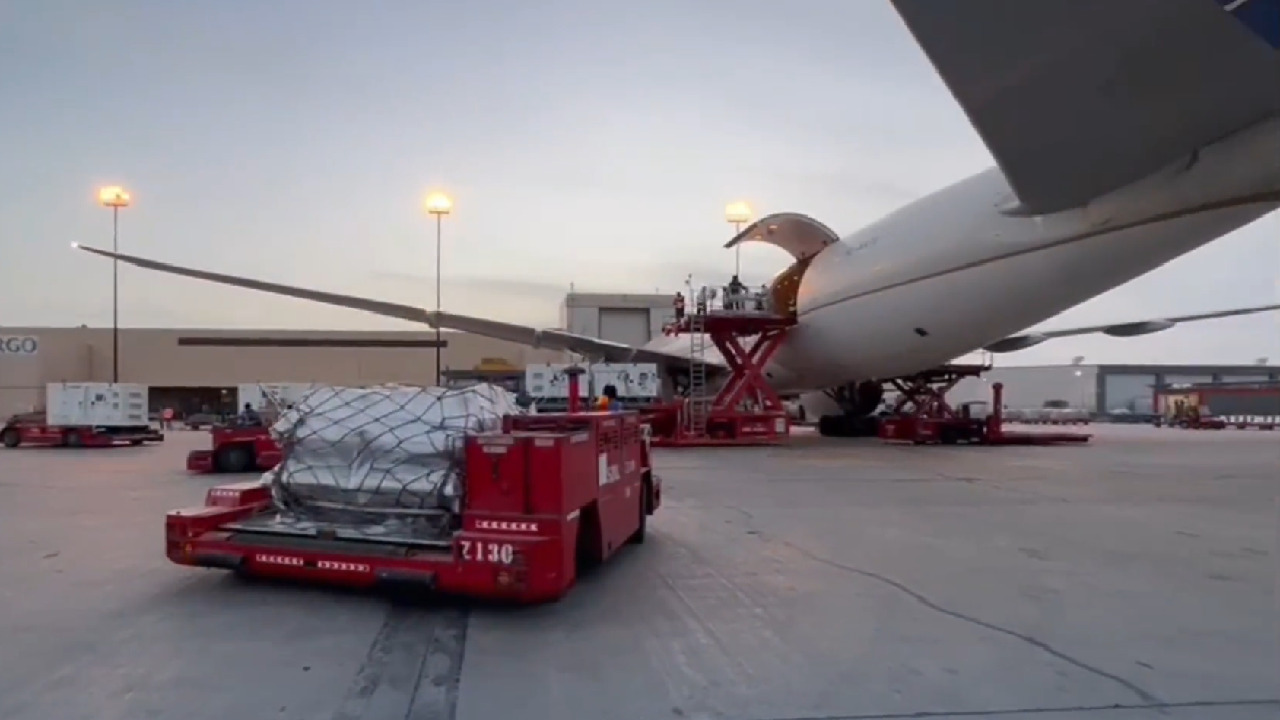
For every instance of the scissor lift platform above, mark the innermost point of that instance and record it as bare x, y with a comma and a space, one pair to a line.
922, 415
745, 410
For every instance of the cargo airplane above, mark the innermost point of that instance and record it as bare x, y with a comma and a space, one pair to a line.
1125, 135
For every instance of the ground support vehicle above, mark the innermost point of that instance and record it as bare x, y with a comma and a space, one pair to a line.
236, 449
923, 416
33, 429
544, 498
745, 410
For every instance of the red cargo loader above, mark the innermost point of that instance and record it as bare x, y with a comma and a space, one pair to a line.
236, 449
545, 497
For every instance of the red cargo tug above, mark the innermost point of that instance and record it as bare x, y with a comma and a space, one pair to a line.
236, 449
545, 497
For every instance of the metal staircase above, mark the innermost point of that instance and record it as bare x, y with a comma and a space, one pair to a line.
699, 403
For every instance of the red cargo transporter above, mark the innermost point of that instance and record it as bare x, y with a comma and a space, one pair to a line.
922, 415
32, 429
236, 449
545, 497
746, 410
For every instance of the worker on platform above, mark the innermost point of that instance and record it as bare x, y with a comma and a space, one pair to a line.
700, 304
738, 291
679, 306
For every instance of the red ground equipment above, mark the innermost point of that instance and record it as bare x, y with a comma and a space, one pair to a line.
31, 429
236, 449
923, 416
746, 410
545, 497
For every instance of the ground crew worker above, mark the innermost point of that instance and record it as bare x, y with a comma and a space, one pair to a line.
700, 305
737, 290
679, 306
249, 416
608, 401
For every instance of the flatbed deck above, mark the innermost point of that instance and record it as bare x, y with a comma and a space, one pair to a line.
826, 579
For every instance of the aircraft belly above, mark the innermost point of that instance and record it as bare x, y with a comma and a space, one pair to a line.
915, 326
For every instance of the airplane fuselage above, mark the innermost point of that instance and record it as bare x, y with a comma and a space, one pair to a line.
954, 271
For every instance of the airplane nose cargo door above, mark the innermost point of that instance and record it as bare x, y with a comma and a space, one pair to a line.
802, 237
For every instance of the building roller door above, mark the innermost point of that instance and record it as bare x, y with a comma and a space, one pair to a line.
625, 325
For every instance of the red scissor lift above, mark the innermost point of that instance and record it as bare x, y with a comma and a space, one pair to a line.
745, 410
923, 416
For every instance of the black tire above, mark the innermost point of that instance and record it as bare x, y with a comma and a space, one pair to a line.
11, 437
234, 459
587, 549
73, 439
646, 490
135, 443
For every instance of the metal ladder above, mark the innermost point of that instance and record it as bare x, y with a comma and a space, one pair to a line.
698, 401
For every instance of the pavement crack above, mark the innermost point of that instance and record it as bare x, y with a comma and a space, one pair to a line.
924, 601
1023, 637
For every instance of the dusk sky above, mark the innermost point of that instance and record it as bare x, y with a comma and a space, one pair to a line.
587, 143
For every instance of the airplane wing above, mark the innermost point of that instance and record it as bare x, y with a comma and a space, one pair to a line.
1023, 341
1076, 98
553, 339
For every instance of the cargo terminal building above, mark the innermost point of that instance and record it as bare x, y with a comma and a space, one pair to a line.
199, 370
1103, 389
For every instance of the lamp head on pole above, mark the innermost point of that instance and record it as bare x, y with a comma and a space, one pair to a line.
737, 213
114, 197
437, 203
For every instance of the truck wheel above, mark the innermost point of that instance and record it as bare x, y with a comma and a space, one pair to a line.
637, 538
73, 439
11, 438
234, 459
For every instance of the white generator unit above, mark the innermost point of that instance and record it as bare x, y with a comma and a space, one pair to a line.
543, 381
633, 380
266, 397
105, 405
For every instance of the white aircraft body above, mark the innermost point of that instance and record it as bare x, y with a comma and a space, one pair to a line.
1120, 145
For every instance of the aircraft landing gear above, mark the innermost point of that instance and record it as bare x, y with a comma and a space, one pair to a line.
858, 403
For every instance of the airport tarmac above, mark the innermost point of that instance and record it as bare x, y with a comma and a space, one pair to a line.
829, 580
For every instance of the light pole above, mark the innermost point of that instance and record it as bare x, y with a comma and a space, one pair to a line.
738, 214
438, 204
115, 197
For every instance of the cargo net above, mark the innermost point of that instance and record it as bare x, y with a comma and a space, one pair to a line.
382, 461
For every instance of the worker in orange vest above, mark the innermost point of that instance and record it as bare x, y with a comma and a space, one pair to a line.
608, 400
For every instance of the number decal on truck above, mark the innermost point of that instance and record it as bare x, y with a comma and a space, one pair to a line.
490, 552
